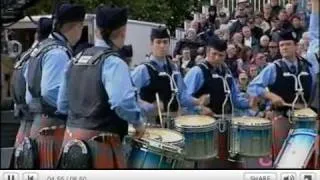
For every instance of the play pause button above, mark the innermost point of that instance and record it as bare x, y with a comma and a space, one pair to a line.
11, 176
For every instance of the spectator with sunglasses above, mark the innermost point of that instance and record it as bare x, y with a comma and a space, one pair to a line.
238, 24
284, 20
273, 33
297, 26
275, 7
261, 23
249, 10
267, 13
257, 32
273, 52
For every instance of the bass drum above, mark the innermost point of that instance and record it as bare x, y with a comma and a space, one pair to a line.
297, 150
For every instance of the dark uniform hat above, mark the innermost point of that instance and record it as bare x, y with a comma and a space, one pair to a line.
217, 43
69, 13
111, 18
44, 27
288, 35
159, 33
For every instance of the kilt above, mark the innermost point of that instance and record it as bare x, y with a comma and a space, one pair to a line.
107, 154
48, 133
24, 131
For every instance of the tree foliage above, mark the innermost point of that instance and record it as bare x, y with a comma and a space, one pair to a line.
169, 12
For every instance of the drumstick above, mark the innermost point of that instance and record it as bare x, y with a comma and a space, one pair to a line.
297, 106
159, 109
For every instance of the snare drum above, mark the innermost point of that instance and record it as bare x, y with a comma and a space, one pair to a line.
159, 148
304, 118
250, 136
297, 150
200, 134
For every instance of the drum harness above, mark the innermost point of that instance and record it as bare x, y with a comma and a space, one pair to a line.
222, 126
174, 91
299, 91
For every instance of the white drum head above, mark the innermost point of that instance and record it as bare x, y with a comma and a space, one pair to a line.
305, 112
250, 121
147, 135
166, 135
194, 121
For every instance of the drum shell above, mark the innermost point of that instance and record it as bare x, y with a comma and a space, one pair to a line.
304, 122
251, 141
151, 157
152, 153
200, 142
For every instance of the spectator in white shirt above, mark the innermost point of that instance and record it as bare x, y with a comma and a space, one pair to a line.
249, 40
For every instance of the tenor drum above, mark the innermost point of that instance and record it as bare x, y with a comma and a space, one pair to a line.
200, 133
304, 118
297, 150
250, 136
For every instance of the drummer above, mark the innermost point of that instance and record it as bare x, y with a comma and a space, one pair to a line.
149, 82
200, 81
101, 115
281, 87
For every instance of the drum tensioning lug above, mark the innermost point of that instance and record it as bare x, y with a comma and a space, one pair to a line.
144, 159
160, 162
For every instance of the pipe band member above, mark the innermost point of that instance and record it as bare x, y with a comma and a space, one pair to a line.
98, 95
203, 79
278, 78
44, 77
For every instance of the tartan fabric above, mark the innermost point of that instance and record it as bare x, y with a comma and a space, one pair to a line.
105, 155
49, 143
24, 131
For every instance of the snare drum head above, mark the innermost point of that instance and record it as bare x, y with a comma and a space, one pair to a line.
305, 112
166, 135
147, 135
194, 121
250, 121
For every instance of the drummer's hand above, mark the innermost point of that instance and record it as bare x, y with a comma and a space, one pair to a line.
269, 115
206, 111
204, 100
160, 104
140, 130
254, 103
275, 99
